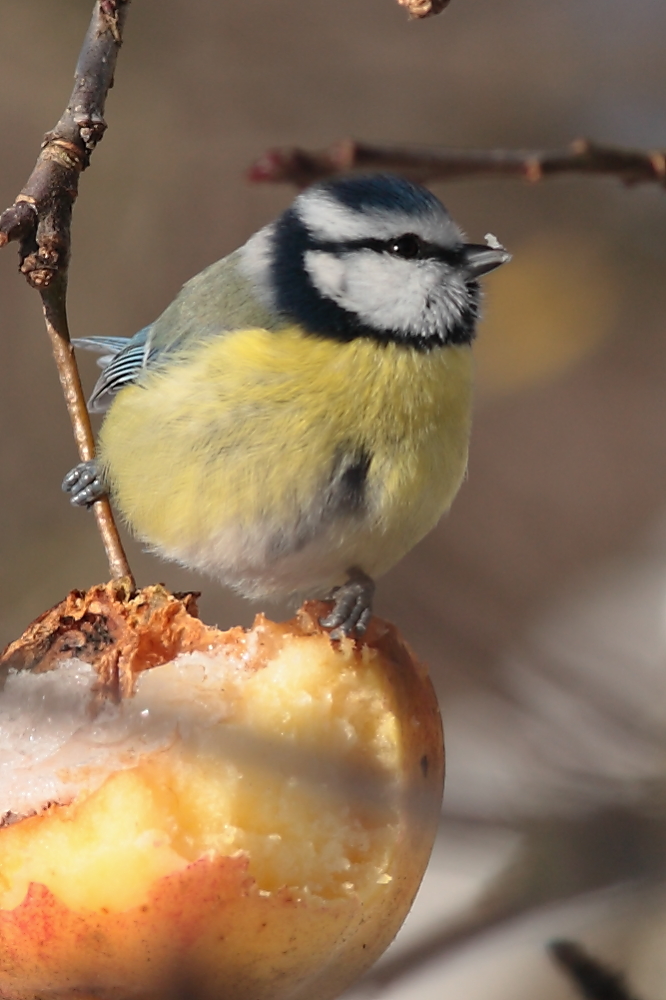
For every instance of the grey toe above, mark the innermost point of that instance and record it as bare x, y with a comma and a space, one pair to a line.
85, 484
352, 608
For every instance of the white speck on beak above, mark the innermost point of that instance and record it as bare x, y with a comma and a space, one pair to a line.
493, 242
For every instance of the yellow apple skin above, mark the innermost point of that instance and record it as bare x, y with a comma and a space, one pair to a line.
208, 931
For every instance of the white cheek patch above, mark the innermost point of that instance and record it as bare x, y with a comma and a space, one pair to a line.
422, 298
389, 292
328, 274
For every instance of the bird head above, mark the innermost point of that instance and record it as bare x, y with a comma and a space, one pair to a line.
373, 256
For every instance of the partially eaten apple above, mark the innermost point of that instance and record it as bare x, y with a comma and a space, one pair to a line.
203, 814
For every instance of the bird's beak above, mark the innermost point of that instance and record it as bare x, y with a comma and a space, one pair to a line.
480, 259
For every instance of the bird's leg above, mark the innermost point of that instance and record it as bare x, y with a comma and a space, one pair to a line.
85, 483
352, 608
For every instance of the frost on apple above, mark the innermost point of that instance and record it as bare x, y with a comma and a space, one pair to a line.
187, 799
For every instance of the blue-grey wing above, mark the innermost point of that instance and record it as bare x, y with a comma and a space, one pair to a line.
216, 301
122, 361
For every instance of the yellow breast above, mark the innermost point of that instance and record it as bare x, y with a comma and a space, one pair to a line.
240, 435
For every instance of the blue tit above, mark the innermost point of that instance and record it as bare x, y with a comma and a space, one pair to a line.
298, 417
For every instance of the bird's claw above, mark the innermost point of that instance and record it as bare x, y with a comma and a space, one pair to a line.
85, 484
352, 608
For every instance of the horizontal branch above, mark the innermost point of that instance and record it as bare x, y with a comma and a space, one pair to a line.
302, 167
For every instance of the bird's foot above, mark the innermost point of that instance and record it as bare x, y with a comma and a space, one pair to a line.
352, 608
85, 484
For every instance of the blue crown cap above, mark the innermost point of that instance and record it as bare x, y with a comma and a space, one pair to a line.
382, 191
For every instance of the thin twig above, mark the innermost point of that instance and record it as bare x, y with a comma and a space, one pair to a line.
593, 980
40, 219
302, 167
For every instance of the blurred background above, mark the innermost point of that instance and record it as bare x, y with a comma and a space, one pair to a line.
539, 603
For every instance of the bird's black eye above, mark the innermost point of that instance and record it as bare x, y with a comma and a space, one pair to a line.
407, 246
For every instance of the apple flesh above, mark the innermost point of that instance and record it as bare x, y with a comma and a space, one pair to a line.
249, 818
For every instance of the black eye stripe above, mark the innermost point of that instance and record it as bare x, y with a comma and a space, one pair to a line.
421, 250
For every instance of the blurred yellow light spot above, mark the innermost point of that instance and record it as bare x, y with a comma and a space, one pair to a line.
546, 310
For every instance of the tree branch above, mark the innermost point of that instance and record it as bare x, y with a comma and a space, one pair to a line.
424, 8
302, 167
593, 980
40, 220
